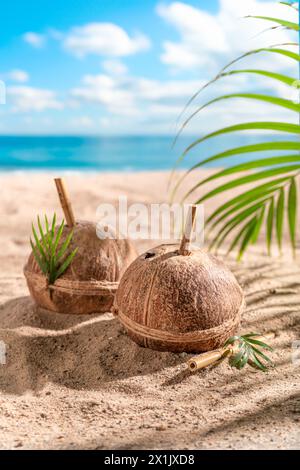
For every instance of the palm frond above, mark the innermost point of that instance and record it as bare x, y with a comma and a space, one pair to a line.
264, 162
247, 197
248, 126
274, 49
282, 102
229, 226
280, 218
254, 177
253, 148
292, 211
275, 195
247, 350
270, 218
52, 256
290, 4
286, 24
259, 223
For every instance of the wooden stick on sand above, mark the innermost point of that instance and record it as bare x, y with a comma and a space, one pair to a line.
65, 201
211, 357
190, 222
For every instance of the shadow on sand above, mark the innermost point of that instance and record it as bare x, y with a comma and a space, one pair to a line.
79, 352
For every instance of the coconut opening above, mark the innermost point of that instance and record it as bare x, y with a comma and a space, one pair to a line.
149, 255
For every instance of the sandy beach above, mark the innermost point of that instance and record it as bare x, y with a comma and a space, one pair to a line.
78, 382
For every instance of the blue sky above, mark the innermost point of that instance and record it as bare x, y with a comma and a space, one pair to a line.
121, 67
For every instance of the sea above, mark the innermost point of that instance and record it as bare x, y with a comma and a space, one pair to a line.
115, 154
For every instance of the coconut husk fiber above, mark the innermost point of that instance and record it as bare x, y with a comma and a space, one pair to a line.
90, 282
170, 302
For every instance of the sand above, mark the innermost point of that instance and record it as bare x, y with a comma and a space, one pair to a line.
81, 383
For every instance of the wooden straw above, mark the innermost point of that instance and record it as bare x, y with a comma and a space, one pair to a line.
188, 230
65, 202
211, 357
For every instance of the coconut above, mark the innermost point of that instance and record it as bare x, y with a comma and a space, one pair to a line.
90, 282
170, 301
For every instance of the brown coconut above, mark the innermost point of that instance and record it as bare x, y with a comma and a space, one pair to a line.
170, 302
90, 282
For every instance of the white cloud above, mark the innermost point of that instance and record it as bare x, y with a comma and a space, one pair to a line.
26, 99
211, 40
139, 104
114, 67
121, 102
133, 96
34, 39
18, 75
103, 89
106, 39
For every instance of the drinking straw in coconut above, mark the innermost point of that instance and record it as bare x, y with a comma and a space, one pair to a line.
206, 359
190, 222
65, 201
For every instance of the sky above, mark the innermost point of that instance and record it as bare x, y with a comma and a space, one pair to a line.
127, 67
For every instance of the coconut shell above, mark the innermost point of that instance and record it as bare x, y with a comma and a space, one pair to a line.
171, 302
90, 282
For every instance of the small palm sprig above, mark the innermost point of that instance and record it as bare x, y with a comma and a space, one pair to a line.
51, 256
246, 350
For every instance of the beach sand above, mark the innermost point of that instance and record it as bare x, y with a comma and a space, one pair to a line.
78, 382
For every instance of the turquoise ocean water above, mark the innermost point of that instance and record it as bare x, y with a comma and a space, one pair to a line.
113, 153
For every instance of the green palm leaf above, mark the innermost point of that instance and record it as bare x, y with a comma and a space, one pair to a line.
44, 239
256, 363
282, 102
248, 126
239, 235
237, 207
264, 73
46, 251
39, 246
286, 24
249, 196
222, 73
251, 339
261, 147
279, 218
264, 126
66, 263
265, 203
260, 353
292, 212
293, 5
53, 225
46, 224
42, 264
272, 49
230, 225
244, 359
247, 353
249, 179
235, 360
58, 237
270, 219
247, 237
258, 226
64, 246
264, 162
